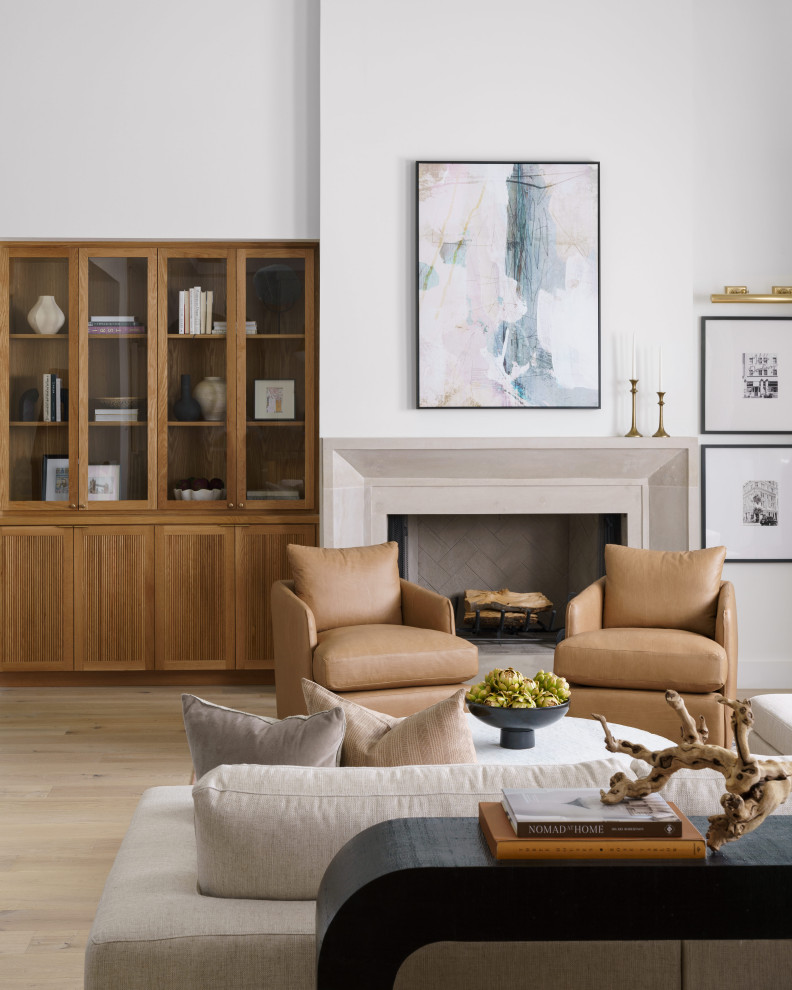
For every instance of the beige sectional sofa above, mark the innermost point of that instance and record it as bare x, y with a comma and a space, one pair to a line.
215, 886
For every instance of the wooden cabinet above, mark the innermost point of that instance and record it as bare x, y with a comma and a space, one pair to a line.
169, 574
114, 610
261, 560
36, 618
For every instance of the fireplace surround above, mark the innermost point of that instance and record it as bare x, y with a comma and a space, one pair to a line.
652, 483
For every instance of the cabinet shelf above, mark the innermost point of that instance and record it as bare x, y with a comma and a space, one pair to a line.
198, 422
275, 422
198, 336
37, 422
39, 336
134, 422
275, 336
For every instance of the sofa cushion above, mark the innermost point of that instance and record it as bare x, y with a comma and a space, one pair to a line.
350, 586
270, 832
153, 929
219, 735
356, 658
645, 659
438, 734
661, 589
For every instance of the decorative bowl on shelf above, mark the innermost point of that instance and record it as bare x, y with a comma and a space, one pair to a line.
517, 725
201, 495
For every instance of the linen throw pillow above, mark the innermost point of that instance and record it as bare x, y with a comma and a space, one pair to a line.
439, 734
662, 590
354, 586
218, 735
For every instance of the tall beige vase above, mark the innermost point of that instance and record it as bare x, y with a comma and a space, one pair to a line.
210, 394
46, 316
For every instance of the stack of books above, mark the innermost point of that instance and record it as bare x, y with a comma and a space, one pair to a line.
195, 310
52, 404
114, 325
219, 328
573, 823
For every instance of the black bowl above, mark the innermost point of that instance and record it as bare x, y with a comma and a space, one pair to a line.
517, 724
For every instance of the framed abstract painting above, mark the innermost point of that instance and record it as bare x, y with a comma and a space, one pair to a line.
508, 293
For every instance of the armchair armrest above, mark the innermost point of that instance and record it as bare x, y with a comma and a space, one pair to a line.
294, 640
584, 612
425, 609
726, 634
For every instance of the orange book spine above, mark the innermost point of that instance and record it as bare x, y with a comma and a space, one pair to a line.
504, 844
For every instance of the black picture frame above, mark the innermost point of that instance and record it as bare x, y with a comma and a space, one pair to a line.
726, 472
533, 379
734, 400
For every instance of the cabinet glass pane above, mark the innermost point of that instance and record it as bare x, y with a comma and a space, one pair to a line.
117, 379
275, 463
196, 379
38, 452
275, 295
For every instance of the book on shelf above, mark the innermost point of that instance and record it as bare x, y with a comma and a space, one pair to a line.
115, 415
53, 396
115, 329
196, 308
571, 813
107, 320
505, 844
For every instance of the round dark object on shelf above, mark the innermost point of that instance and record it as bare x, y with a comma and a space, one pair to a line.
517, 724
277, 286
27, 405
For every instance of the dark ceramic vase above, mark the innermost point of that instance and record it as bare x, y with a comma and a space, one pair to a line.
186, 408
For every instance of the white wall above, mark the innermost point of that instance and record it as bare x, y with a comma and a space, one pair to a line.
159, 119
682, 103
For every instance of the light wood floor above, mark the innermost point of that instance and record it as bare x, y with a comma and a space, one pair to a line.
73, 763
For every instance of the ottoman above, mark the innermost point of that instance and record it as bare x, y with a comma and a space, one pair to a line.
772, 731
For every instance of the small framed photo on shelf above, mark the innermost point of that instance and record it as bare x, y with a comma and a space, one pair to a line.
746, 501
273, 398
103, 482
743, 362
54, 478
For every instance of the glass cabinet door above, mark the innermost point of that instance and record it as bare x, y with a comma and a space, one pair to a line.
38, 350
117, 379
197, 317
276, 353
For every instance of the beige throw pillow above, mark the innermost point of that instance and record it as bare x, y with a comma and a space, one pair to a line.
439, 734
354, 586
218, 736
657, 589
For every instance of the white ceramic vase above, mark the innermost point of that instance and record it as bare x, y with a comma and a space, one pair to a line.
46, 316
210, 394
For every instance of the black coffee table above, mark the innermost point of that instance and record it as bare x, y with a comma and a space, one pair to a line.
408, 882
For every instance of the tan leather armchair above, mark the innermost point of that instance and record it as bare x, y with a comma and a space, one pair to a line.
348, 622
655, 621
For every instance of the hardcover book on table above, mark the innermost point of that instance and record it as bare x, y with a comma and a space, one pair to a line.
574, 813
504, 844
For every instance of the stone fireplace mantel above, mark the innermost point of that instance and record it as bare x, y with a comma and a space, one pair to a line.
652, 483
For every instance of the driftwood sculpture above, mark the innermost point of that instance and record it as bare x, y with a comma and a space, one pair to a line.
754, 787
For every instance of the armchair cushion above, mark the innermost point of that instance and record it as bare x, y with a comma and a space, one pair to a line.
358, 658
643, 659
659, 589
439, 734
348, 587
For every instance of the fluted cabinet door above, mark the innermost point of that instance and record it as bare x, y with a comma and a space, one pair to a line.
195, 597
114, 608
261, 560
36, 583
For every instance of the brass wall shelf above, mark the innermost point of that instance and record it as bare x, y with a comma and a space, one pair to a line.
740, 294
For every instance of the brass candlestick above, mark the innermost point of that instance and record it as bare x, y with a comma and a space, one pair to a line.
660, 429
633, 429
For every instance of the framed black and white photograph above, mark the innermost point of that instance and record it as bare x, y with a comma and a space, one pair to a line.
746, 501
743, 362
273, 398
103, 482
55, 478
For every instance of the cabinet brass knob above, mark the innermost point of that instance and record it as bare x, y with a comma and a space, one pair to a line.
230, 505
72, 505
81, 505
241, 505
